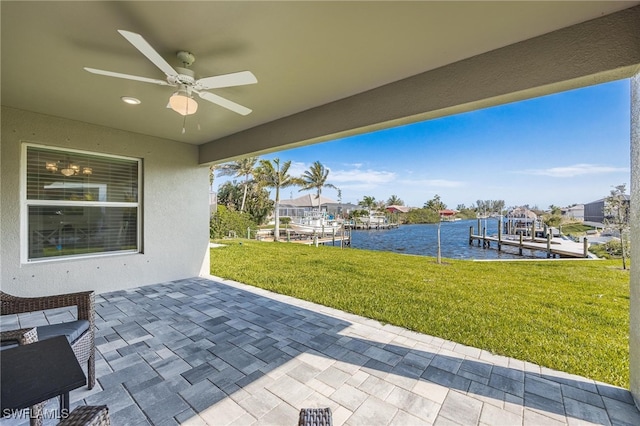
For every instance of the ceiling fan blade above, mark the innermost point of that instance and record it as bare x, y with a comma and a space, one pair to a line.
145, 48
226, 103
127, 76
227, 80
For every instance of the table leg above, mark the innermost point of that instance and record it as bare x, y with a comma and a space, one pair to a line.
64, 405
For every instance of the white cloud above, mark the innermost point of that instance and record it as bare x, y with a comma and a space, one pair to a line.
361, 177
434, 183
297, 168
574, 170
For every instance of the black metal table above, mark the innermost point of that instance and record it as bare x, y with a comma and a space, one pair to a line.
37, 372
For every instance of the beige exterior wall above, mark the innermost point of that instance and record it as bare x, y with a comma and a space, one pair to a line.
175, 210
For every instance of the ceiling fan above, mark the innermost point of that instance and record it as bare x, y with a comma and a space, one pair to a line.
182, 101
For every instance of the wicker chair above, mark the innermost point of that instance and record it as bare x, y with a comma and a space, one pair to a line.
315, 417
88, 415
83, 346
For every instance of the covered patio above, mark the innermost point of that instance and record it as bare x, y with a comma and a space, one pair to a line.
206, 351
197, 349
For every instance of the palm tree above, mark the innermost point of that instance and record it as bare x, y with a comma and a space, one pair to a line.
212, 174
272, 175
244, 167
368, 202
394, 200
316, 178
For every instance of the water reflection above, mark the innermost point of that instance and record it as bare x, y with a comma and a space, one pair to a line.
422, 240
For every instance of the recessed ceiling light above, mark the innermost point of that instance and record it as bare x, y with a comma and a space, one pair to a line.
129, 100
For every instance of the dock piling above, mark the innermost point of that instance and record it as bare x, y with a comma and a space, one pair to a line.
585, 247
520, 246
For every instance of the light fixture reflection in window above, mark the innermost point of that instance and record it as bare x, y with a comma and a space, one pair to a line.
67, 168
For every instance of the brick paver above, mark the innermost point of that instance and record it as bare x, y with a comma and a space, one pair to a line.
213, 352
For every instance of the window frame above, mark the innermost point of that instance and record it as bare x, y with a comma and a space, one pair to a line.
26, 203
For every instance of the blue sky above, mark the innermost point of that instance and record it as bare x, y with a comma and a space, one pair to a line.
561, 149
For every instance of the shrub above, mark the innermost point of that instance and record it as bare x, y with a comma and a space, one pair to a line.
609, 250
422, 215
285, 220
227, 222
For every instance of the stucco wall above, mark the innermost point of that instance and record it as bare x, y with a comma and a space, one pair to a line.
175, 210
634, 332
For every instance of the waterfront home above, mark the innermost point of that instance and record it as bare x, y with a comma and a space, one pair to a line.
574, 212
323, 73
297, 208
594, 211
447, 215
398, 209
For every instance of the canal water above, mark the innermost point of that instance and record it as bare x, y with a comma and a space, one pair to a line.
422, 240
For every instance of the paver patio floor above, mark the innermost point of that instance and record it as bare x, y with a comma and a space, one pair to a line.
206, 351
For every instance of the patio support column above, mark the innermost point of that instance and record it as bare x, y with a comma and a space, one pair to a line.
634, 302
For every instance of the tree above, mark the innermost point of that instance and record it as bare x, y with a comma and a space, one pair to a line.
435, 204
490, 206
617, 212
258, 204
230, 195
241, 168
394, 200
368, 203
229, 222
212, 174
316, 178
554, 217
422, 215
273, 175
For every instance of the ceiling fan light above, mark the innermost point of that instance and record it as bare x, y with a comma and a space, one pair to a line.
182, 103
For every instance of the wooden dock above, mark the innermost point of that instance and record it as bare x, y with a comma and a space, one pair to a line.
340, 238
369, 226
552, 246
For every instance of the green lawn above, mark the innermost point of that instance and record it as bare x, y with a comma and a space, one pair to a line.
567, 315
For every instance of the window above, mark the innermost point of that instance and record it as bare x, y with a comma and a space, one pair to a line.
77, 204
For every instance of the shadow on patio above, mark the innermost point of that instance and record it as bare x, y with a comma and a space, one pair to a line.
208, 351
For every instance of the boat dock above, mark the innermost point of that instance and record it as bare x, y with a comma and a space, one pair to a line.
554, 247
343, 240
337, 237
364, 225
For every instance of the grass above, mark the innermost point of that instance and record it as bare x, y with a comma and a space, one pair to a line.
576, 228
571, 316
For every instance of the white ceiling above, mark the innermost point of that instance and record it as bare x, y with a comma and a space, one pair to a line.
304, 54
